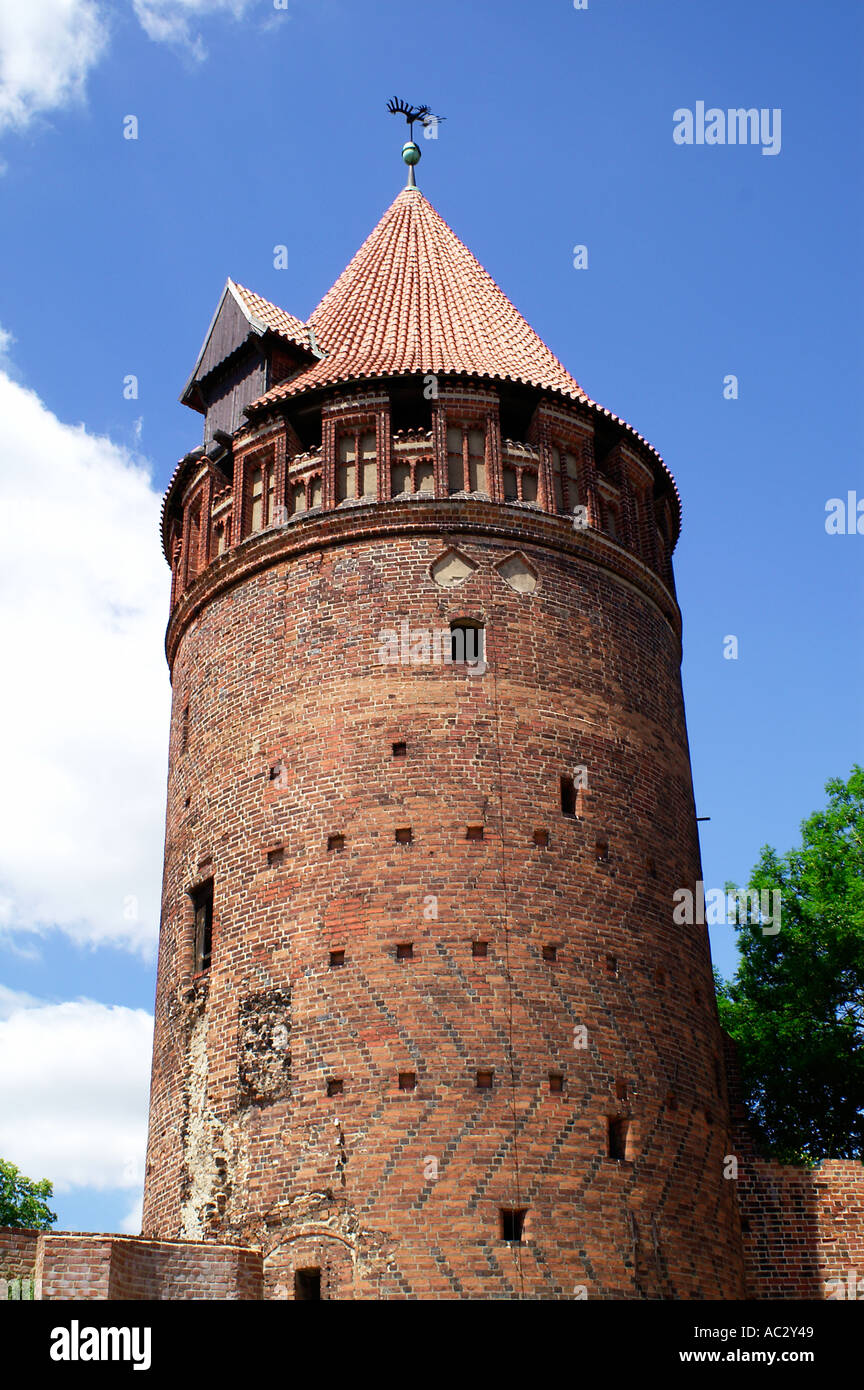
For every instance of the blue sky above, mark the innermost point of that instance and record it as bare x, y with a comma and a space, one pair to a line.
260, 127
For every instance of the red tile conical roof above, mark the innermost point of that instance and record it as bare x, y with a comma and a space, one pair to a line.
414, 299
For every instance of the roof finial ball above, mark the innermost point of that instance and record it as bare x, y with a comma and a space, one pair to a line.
411, 155
411, 150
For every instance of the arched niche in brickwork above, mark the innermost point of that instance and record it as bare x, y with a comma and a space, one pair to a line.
308, 1250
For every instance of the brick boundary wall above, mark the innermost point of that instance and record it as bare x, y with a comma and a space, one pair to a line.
84, 1266
145, 1269
803, 1228
17, 1252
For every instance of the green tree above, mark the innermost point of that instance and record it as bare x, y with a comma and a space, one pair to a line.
795, 1006
22, 1201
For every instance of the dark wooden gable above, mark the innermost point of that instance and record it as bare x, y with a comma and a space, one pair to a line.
229, 332
231, 328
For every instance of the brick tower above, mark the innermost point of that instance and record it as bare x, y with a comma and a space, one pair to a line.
424, 1024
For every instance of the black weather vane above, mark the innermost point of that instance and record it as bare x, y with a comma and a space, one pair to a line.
411, 150
397, 107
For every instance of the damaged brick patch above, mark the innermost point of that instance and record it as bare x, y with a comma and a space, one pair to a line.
263, 1046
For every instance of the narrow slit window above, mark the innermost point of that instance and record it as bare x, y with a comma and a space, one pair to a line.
557, 488
476, 461
617, 1137
307, 1285
612, 965
512, 1223
257, 499
455, 466
601, 851
369, 468
184, 729
346, 469
571, 470
556, 1082
568, 796
202, 907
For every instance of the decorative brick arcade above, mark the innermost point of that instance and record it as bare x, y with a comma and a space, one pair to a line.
424, 1025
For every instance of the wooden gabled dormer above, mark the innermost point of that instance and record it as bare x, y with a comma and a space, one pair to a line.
250, 346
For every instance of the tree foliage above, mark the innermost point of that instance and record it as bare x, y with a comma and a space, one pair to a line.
795, 1006
23, 1201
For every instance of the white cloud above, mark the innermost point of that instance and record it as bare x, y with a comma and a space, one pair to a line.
134, 1218
170, 21
84, 700
47, 48
74, 1082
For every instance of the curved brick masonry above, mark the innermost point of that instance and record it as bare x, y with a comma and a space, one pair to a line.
425, 1027
287, 744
